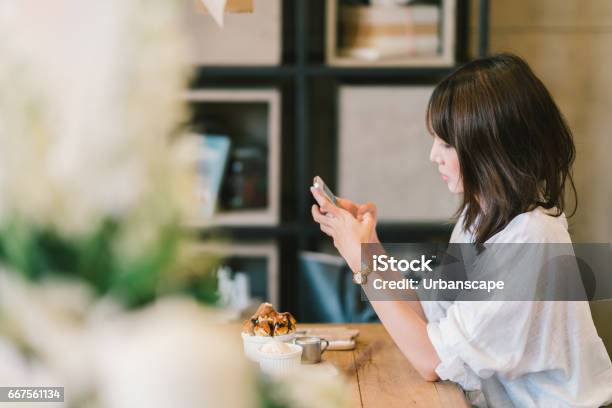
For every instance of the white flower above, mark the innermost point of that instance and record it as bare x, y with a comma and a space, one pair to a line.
312, 386
46, 320
172, 353
90, 96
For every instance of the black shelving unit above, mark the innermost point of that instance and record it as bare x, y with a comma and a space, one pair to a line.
309, 91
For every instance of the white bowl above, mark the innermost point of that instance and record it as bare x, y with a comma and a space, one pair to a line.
280, 364
253, 343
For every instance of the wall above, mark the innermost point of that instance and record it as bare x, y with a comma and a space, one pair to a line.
569, 46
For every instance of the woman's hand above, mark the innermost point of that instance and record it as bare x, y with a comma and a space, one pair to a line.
349, 225
357, 210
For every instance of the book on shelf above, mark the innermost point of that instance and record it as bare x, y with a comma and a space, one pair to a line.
375, 32
212, 159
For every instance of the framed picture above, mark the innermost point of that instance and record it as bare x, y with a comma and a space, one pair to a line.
250, 190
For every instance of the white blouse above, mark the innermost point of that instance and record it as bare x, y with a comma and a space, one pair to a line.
521, 353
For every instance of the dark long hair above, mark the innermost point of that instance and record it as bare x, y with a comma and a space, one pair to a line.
515, 148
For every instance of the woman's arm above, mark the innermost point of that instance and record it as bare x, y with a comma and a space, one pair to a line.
409, 332
404, 320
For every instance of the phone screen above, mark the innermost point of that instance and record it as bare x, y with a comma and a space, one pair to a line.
320, 184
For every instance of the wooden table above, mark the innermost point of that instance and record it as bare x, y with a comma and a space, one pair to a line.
380, 376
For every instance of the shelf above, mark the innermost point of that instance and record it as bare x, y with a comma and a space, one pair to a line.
245, 231
259, 261
375, 35
289, 71
378, 72
250, 187
245, 71
311, 84
313, 230
406, 229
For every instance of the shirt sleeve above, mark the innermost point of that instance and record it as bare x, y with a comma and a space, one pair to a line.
479, 339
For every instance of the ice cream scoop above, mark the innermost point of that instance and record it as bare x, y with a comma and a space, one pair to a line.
276, 347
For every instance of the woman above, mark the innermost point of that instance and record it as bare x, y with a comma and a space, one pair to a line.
500, 141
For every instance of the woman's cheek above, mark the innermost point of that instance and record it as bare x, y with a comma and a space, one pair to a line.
453, 161
457, 186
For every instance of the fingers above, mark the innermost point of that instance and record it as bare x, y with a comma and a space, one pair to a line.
323, 220
328, 231
324, 203
348, 205
366, 208
367, 218
319, 217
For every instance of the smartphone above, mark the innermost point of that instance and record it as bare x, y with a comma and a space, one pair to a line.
320, 184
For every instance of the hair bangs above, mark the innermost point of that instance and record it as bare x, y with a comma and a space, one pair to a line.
439, 114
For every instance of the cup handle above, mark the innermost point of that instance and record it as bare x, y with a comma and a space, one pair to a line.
323, 348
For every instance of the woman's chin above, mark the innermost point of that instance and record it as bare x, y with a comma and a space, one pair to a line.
454, 188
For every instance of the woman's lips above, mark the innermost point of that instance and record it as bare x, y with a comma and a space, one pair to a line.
444, 177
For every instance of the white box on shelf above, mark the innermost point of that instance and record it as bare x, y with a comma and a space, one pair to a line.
377, 40
268, 129
245, 39
383, 154
266, 250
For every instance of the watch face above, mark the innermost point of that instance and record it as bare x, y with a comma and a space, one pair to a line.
358, 278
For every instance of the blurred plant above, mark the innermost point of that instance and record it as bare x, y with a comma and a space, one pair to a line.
90, 183
92, 193
304, 389
173, 353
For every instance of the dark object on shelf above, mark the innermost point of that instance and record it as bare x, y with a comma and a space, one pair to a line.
245, 184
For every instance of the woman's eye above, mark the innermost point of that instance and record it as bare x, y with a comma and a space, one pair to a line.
446, 145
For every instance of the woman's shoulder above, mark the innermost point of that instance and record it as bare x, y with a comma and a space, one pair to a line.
539, 225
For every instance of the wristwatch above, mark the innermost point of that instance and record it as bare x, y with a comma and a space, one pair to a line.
361, 277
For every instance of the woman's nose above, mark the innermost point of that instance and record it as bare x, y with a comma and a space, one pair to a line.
434, 156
